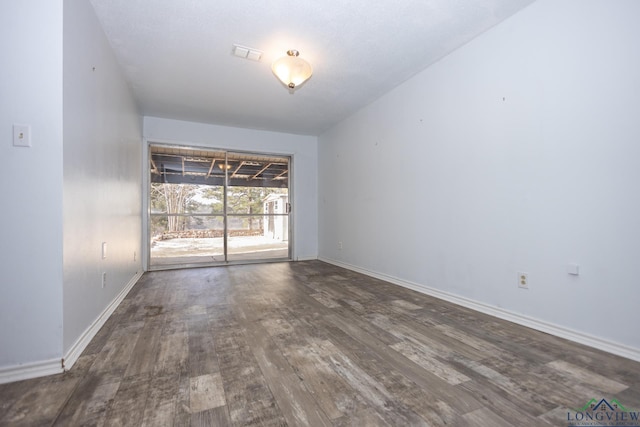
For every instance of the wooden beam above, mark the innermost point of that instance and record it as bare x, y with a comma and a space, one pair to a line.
217, 180
261, 170
280, 176
213, 162
237, 169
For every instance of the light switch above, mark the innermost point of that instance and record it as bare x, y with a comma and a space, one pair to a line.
21, 135
104, 250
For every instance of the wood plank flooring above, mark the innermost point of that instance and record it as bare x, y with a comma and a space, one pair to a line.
309, 343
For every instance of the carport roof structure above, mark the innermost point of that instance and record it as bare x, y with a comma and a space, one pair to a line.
178, 165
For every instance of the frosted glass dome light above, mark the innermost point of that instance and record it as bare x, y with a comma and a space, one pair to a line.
292, 70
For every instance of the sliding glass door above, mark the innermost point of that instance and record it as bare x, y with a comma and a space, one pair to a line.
211, 207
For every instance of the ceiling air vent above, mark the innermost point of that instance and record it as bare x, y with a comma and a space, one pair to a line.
247, 52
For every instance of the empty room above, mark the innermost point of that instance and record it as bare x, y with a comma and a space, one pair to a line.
320, 213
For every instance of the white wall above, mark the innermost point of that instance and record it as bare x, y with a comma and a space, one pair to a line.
518, 152
303, 149
31, 182
102, 173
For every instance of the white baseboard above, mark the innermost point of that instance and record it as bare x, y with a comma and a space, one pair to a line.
30, 370
530, 322
83, 341
306, 258
57, 366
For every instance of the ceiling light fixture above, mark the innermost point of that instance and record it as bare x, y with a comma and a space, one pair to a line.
291, 69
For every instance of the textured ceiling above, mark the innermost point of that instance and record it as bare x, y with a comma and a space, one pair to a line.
177, 55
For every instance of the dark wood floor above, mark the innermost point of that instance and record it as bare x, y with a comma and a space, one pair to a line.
308, 343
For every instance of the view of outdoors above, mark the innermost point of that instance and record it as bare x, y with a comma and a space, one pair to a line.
187, 223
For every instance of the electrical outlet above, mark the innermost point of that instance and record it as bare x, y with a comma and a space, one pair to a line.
104, 279
340, 246
523, 280
134, 256
21, 135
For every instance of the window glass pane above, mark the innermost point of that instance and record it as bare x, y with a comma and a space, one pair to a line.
187, 205
186, 198
187, 239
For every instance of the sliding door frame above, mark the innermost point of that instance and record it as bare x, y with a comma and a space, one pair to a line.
146, 250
